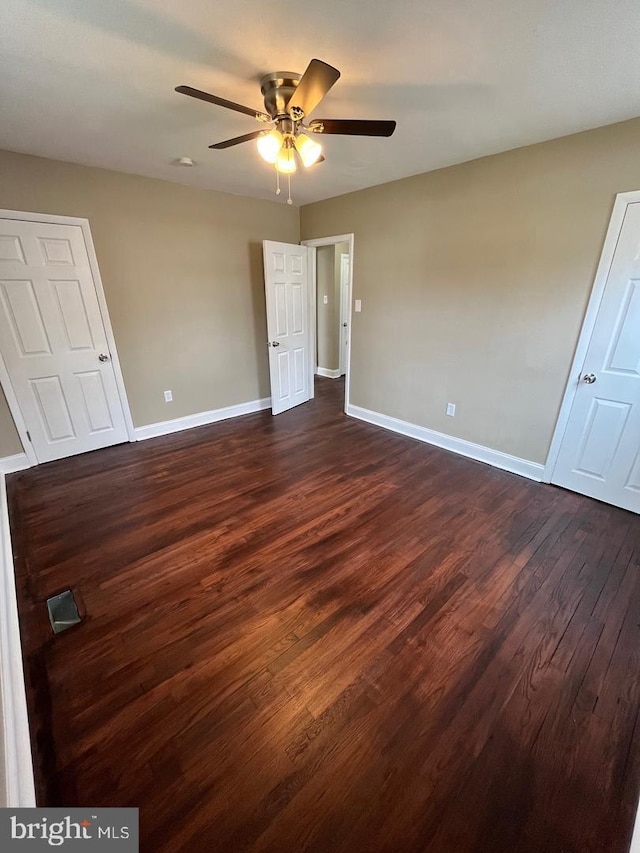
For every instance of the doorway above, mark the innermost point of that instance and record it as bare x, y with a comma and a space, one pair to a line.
332, 287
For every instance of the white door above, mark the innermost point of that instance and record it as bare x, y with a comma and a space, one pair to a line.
344, 312
600, 451
53, 341
286, 281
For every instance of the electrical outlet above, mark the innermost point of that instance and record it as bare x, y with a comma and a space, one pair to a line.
451, 409
168, 396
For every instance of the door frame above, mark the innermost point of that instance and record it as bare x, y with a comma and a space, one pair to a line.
5, 380
622, 201
314, 244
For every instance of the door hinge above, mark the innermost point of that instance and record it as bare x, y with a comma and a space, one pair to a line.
29, 436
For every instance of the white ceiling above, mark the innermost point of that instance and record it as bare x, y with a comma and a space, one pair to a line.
92, 81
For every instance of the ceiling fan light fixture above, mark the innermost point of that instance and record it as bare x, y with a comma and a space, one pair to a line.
288, 99
270, 145
308, 150
286, 161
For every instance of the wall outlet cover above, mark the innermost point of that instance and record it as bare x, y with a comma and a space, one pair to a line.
168, 396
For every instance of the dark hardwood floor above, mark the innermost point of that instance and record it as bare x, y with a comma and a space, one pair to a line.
307, 633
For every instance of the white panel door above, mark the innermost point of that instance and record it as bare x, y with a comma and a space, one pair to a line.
53, 341
286, 282
600, 451
344, 312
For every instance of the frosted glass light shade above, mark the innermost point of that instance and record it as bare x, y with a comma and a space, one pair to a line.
269, 145
286, 160
308, 150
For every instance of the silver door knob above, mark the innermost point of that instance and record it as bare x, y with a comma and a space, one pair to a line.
275, 344
589, 378
103, 357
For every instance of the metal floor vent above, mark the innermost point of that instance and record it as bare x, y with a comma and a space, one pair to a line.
63, 611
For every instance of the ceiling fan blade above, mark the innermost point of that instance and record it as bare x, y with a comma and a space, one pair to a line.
221, 102
237, 140
352, 127
313, 86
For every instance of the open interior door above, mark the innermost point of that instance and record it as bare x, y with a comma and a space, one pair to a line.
53, 340
345, 261
286, 281
600, 451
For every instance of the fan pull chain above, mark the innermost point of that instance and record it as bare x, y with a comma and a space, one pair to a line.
277, 182
289, 199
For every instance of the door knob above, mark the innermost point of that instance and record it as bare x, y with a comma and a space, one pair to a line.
345, 325
103, 357
275, 344
589, 378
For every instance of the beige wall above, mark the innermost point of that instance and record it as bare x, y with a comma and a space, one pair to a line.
182, 273
474, 281
10, 443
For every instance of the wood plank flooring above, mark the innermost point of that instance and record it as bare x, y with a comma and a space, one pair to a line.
307, 633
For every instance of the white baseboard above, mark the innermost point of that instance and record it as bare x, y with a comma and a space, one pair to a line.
330, 374
523, 467
202, 418
10, 464
18, 765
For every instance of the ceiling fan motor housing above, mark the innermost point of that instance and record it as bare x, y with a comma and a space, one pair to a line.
277, 89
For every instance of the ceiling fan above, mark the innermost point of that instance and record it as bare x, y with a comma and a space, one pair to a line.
289, 99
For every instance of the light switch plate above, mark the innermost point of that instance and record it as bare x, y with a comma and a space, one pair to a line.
325, 299
358, 307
